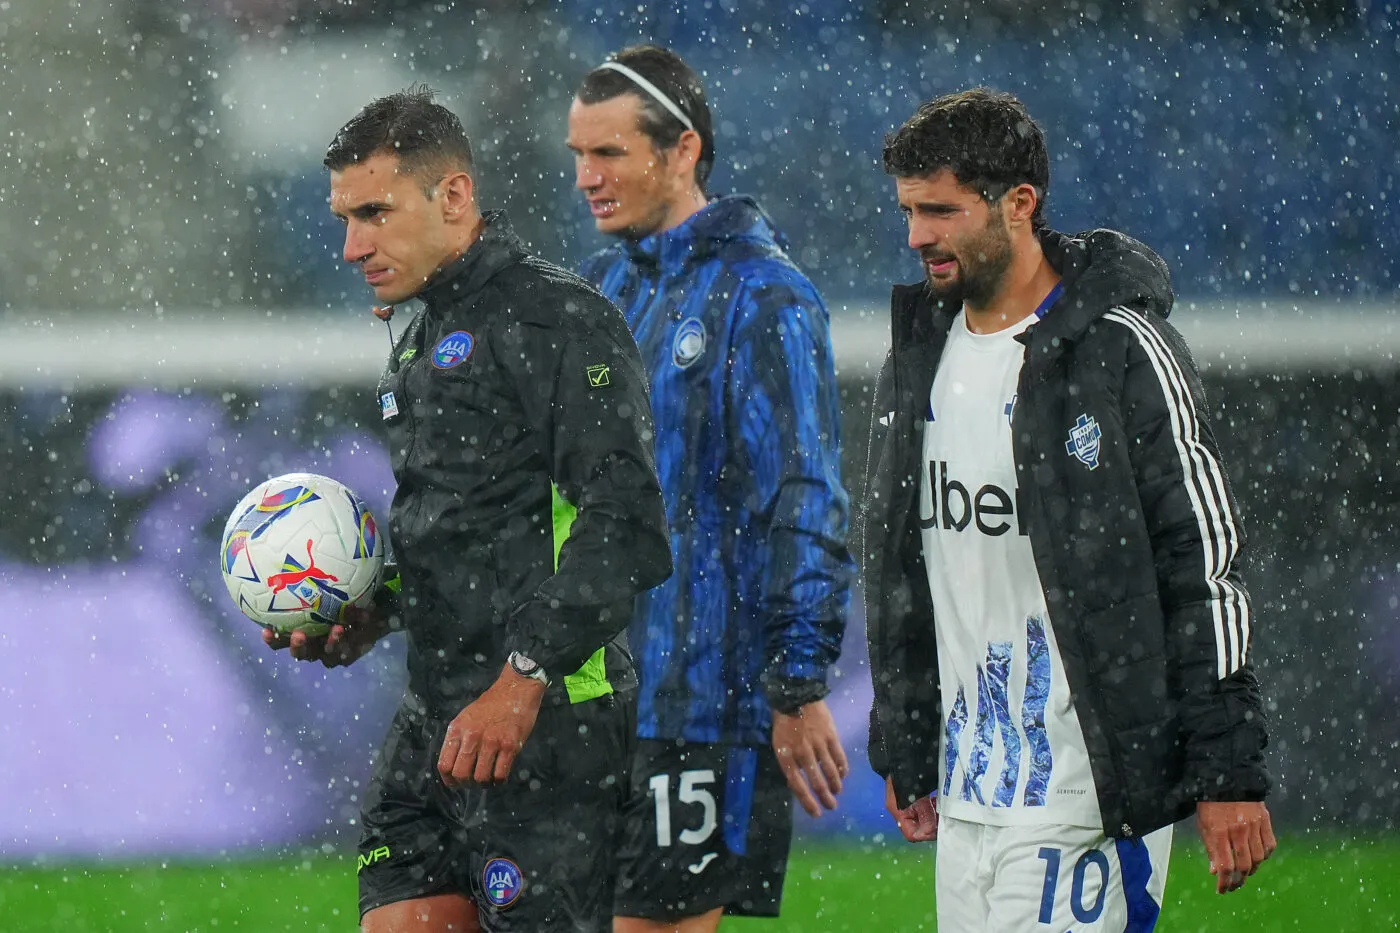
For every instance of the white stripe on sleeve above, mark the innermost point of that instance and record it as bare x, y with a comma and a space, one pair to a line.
1205, 485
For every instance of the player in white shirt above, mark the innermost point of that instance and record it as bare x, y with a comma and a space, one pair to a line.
1050, 540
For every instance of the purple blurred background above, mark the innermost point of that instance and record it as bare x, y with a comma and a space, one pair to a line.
144, 714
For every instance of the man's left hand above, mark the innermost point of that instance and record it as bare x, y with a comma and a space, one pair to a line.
483, 740
810, 754
1238, 837
358, 631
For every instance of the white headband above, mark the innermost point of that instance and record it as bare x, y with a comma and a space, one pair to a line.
651, 89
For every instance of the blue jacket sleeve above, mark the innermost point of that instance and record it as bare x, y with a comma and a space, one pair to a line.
785, 402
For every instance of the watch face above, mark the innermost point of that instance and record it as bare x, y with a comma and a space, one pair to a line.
522, 664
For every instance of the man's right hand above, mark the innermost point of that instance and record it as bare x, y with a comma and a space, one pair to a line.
810, 754
1238, 838
345, 643
918, 822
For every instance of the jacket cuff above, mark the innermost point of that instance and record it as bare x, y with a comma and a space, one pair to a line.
527, 634
388, 597
1239, 774
875, 747
1225, 755
787, 695
559, 639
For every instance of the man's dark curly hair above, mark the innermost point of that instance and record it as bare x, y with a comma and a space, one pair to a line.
984, 137
427, 138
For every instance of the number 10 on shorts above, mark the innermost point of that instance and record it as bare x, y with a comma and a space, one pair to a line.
1092, 860
692, 790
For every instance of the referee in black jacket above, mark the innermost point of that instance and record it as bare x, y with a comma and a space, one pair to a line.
526, 518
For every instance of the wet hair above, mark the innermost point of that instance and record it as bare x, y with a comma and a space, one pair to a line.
425, 136
984, 137
674, 78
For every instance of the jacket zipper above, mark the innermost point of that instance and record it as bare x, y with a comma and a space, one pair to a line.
1080, 637
413, 338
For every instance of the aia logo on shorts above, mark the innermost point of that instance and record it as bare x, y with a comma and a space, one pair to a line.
453, 350
502, 881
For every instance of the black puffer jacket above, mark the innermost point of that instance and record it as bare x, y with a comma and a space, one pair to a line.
1135, 535
514, 401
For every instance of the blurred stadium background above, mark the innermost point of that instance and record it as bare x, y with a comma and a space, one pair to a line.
175, 326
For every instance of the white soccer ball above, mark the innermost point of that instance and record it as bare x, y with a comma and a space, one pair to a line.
297, 550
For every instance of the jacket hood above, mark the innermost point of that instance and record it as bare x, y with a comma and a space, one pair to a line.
496, 248
1103, 269
1100, 269
725, 220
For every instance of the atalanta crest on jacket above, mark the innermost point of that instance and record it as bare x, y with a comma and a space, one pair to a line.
1083, 443
502, 881
689, 343
453, 350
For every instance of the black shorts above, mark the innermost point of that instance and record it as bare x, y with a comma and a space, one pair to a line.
706, 826
535, 853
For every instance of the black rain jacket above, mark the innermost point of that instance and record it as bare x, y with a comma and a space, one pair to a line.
516, 396
1135, 534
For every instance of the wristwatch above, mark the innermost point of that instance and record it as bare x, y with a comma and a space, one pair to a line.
527, 668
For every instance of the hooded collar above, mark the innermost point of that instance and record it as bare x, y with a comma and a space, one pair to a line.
1100, 269
494, 249
723, 220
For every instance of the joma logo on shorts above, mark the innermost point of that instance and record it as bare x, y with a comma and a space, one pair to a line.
367, 860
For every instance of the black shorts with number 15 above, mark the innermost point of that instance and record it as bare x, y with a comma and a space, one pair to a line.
704, 826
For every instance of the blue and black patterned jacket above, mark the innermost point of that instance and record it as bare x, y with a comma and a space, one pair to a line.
743, 387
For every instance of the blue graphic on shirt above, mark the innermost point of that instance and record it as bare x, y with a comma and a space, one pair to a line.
1033, 711
953, 730
994, 719
998, 676
984, 735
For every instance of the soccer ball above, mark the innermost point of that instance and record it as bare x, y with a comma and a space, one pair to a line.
297, 550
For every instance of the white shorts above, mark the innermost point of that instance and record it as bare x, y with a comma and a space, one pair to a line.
1047, 879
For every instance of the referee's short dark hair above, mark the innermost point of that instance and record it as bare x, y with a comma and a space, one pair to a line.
427, 138
984, 137
674, 78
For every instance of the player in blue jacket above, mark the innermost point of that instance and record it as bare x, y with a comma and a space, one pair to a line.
733, 651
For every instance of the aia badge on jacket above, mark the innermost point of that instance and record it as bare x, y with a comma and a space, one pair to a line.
453, 349
1083, 443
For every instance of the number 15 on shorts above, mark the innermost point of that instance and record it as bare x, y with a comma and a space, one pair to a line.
693, 789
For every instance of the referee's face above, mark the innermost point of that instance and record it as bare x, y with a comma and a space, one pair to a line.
633, 188
398, 230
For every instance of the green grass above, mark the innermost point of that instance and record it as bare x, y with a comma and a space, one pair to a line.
1313, 883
